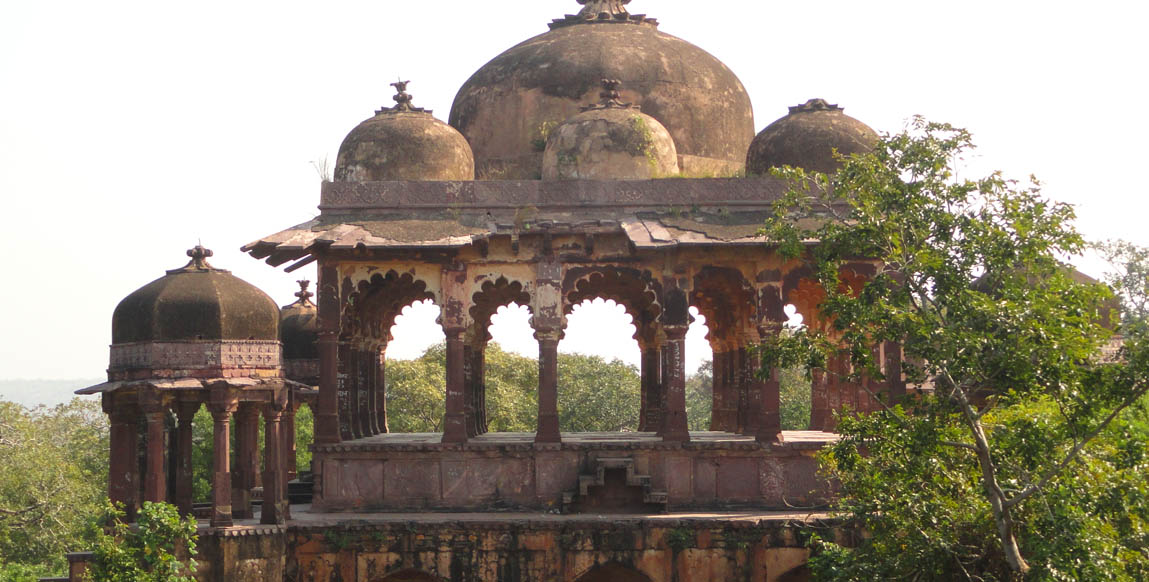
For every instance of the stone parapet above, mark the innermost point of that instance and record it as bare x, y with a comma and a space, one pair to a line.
192, 358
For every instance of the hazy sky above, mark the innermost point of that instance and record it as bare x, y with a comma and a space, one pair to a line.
130, 130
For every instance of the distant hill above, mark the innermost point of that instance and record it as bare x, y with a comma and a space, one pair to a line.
31, 393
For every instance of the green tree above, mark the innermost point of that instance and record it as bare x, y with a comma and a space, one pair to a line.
700, 396
1002, 472
53, 479
160, 547
594, 394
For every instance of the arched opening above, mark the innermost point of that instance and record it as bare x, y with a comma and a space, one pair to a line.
368, 329
613, 572
727, 302
700, 373
794, 386
599, 390
497, 385
604, 299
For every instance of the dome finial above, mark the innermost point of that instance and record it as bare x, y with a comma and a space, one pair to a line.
815, 105
603, 11
610, 97
198, 262
402, 101
303, 294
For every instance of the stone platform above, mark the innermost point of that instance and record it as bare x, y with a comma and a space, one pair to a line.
715, 471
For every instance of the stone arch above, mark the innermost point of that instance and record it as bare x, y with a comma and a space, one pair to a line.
492, 294
612, 572
640, 295
370, 309
728, 302
636, 291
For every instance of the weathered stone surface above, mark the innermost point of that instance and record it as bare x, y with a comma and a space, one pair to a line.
610, 144
404, 145
807, 138
507, 108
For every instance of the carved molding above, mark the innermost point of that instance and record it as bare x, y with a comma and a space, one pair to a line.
191, 355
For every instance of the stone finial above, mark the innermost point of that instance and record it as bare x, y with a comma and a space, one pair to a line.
610, 97
303, 294
815, 105
199, 256
402, 101
603, 11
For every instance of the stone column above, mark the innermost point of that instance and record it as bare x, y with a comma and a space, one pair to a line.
123, 444
381, 387
674, 426
751, 383
479, 389
454, 421
369, 363
548, 429
651, 368
469, 412
155, 481
185, 412
349, 417
222, 405
327, 407
274, 475
246, 476
718, 388
287, 428
769, 429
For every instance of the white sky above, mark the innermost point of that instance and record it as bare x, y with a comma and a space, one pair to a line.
131, 129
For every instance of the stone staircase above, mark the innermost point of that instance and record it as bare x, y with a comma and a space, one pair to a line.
613, 486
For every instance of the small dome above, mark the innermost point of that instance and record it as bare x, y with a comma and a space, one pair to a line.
299, 327
196, 302
807, 138
404, 143
508, 107
609, 141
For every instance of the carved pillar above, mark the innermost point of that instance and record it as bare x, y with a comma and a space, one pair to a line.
479, 389
222, 405
287, 429
752, 384
548, 430
469, 412
185, 412
369, 364
274, 476
246, 475
155, 480
767, 386
123, 442
718, 387
381, 387
454, 421
674, 426
651, 382
548, 323
327, 408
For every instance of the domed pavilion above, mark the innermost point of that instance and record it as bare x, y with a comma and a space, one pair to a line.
569, 171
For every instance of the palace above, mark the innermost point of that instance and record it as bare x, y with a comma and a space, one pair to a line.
601, 159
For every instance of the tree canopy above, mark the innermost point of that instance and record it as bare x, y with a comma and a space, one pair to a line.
1020, 460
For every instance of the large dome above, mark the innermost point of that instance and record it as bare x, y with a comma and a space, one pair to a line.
404, 143
807, 138
508, 107
196, 302
299, 327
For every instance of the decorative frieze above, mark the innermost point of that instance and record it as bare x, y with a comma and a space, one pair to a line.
194, 355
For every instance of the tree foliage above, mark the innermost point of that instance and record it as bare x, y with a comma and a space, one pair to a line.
1003, 472
53, 478
159, 547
